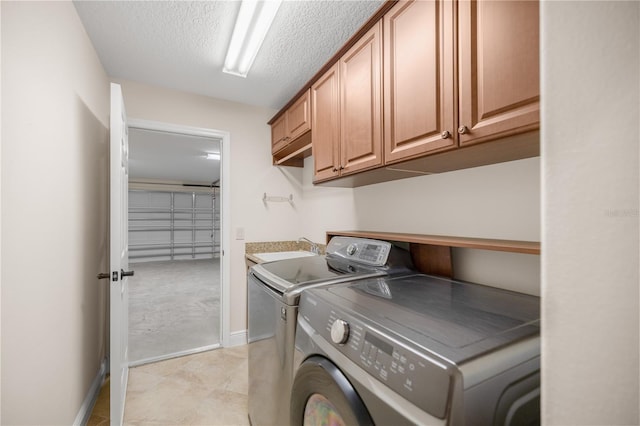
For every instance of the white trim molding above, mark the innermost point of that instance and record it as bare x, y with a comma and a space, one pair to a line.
237, 338
225, 219
92, 396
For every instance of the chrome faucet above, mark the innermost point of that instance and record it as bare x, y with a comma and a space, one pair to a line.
314, 247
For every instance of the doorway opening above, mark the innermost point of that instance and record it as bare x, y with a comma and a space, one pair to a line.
176, 240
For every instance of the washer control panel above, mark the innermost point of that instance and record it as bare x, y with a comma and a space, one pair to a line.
340, 331
420, 378
361, 250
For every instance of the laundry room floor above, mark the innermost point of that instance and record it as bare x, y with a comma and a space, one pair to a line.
209, 388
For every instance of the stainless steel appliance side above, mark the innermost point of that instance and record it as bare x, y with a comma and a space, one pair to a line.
271, 333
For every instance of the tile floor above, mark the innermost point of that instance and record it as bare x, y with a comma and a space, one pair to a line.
209, 388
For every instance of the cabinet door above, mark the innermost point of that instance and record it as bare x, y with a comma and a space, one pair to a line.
419, 103
499, 69
360, 104
299, 116
325, 120
279, 134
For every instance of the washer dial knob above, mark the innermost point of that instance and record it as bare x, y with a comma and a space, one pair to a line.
351, 249
340, 331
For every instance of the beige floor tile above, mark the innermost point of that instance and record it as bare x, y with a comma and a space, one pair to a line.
95, 420
221, 408
101, 407
209, 388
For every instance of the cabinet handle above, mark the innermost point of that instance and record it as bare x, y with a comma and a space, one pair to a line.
445, 134
463, 129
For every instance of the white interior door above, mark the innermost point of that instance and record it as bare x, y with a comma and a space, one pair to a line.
119, 256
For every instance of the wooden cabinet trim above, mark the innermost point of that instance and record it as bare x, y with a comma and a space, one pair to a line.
432, 254
513, 246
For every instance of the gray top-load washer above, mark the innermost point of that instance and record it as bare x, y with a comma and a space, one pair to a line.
273, 292
416, 349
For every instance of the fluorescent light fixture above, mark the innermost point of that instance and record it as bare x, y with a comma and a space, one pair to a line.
213, 156
253, 22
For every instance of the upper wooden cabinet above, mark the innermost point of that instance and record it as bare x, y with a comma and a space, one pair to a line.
419, 79
426, 86
347, 109
325, 120
292, 124
279, 133
361, 104
499, 76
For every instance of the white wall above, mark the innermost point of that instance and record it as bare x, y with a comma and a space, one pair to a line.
591, 121
55, 102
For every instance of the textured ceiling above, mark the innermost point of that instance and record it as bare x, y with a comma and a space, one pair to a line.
172, 157
182, 45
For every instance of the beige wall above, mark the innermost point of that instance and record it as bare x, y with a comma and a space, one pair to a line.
0, 217
591, 122
55, 102
497, 201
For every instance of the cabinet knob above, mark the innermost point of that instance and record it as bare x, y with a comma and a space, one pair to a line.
335, 170
463, 129
445, 134
341, 167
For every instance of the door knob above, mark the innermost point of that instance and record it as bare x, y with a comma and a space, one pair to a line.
124, 273
103, 275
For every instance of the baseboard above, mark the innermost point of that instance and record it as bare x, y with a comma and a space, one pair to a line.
90, 400
238, 338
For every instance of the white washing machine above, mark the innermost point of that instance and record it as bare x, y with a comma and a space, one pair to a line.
419, 350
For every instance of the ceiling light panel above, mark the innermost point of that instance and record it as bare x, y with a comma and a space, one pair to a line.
253, 23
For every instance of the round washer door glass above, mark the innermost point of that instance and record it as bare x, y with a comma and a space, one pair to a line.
319, 411
322, 395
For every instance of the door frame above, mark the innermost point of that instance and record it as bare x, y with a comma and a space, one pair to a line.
225, 213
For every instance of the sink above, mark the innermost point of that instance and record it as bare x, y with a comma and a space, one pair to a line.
281, 255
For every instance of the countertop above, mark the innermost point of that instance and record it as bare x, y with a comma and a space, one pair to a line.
276, 246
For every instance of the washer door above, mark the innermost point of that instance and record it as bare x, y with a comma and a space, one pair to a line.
322, 395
